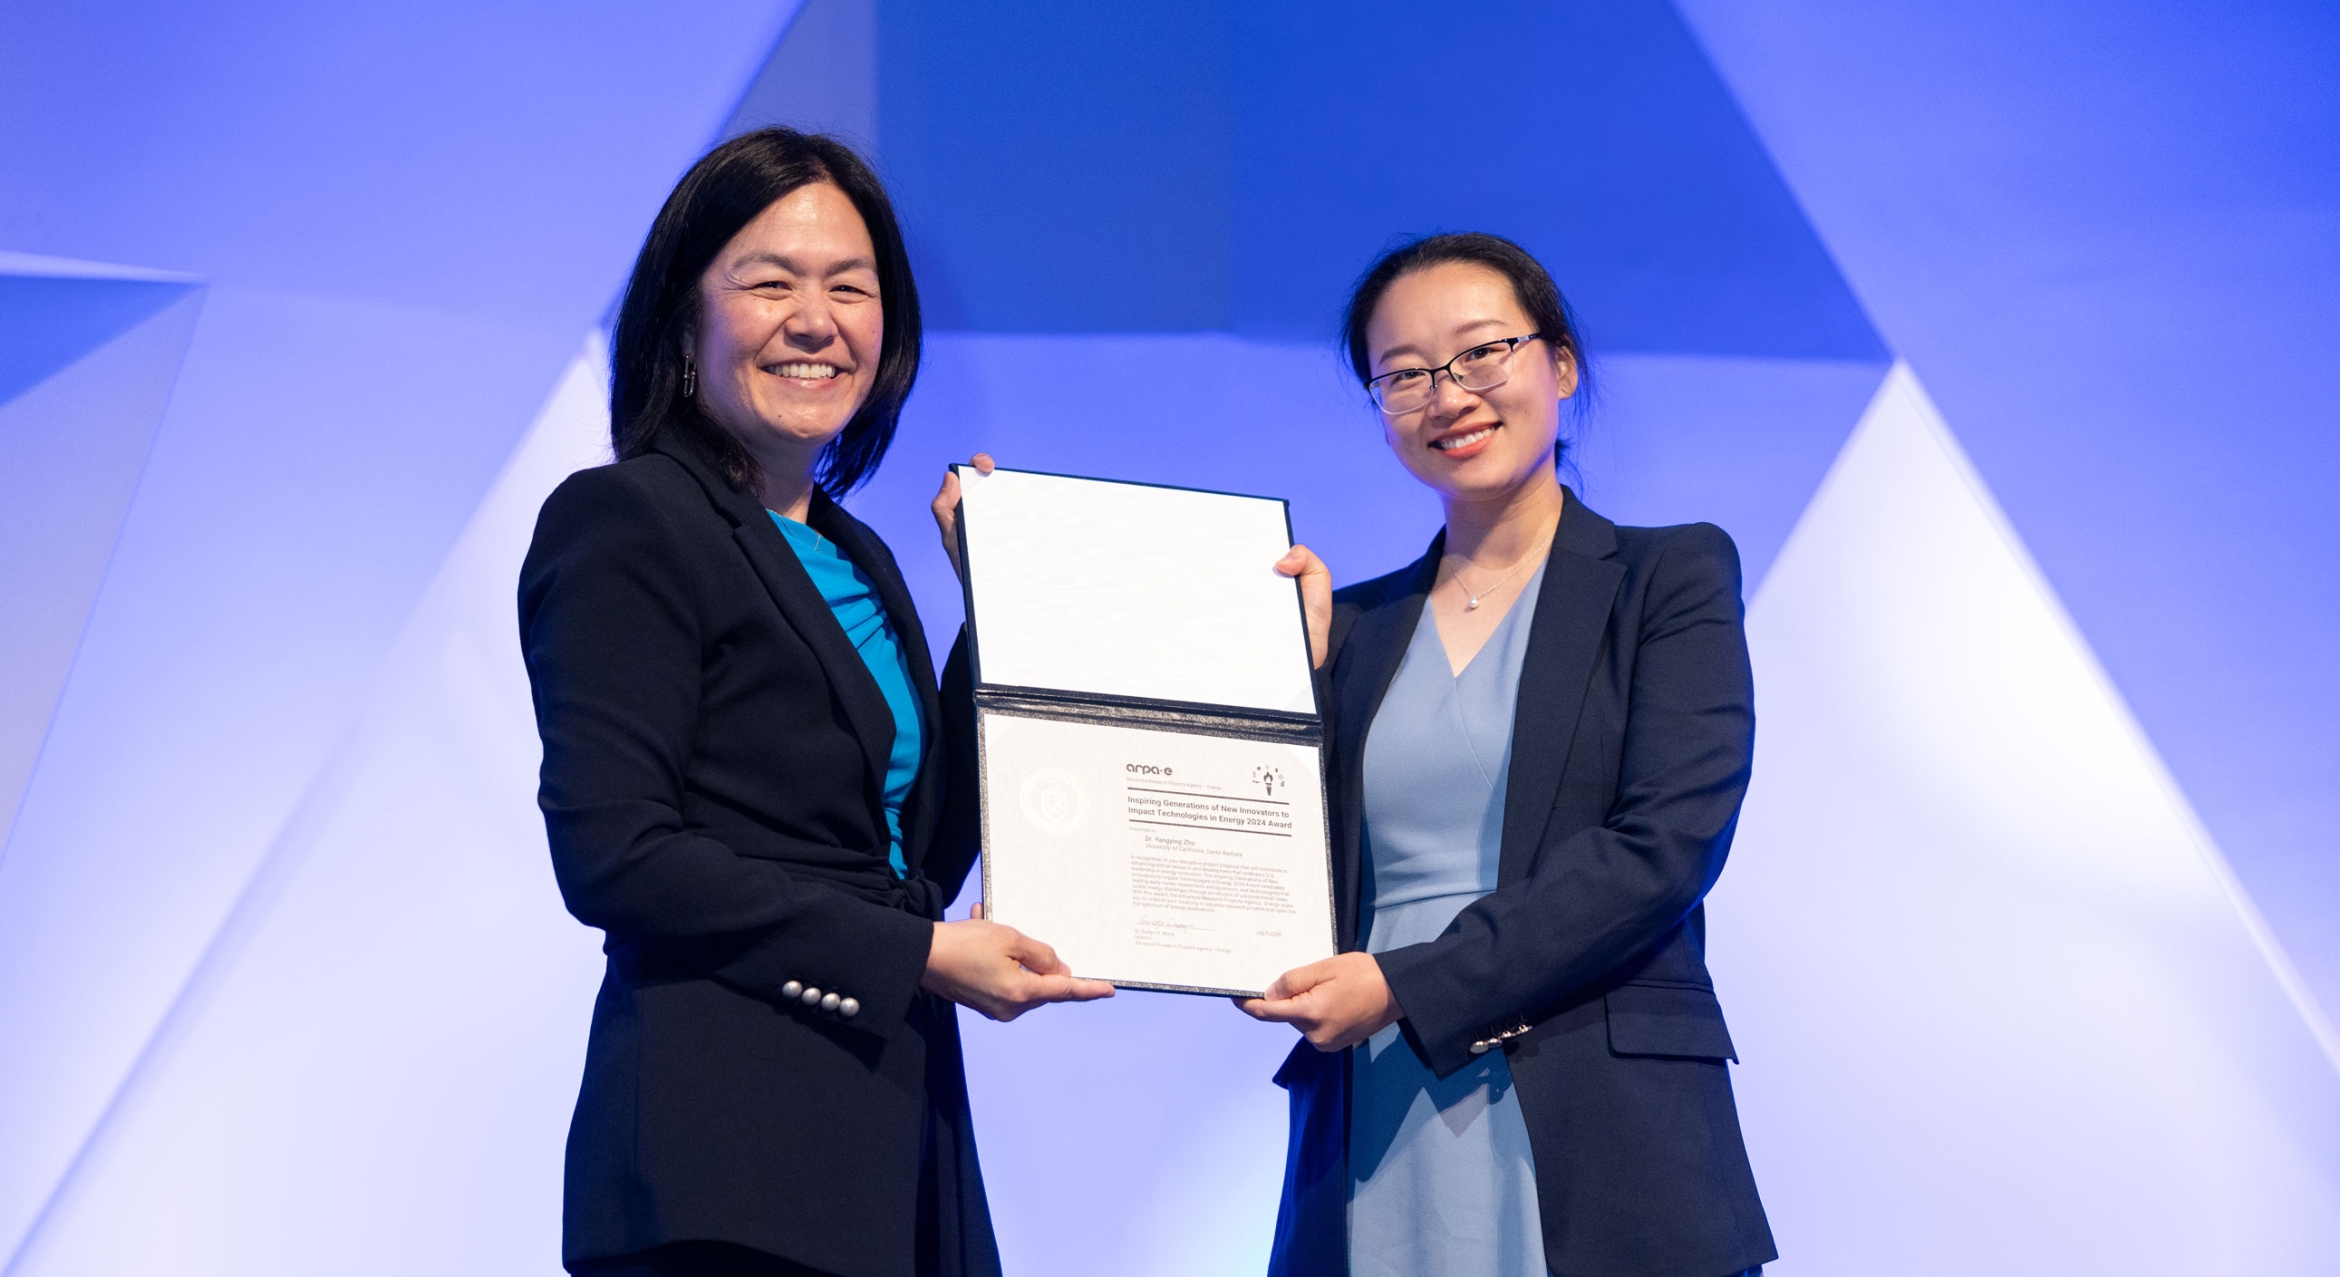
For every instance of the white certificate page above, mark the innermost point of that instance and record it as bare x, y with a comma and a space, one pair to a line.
1122, 589
1157, 858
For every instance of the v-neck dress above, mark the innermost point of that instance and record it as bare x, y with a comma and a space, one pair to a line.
1441, 1179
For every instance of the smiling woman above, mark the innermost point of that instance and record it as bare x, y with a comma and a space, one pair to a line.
1540, 734
775, 284
786, 347
745, 781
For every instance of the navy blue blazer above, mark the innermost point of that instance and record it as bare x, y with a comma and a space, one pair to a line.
713, 789
1630, 754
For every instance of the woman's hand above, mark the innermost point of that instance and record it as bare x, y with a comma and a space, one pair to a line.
997, 969
946, 511
1315, 593
1335, 1004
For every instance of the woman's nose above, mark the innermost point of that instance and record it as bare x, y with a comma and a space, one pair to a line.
810, 326
1449, 399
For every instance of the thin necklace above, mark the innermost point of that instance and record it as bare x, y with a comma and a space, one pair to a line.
1476, 595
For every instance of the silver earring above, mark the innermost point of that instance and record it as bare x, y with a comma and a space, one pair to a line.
690, 377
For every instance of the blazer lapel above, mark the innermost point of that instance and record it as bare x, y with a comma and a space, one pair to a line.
800, 602
922, 808
1572, 614
1370, 655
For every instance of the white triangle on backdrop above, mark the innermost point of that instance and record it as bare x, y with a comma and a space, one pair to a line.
2001, 1008
372, 1069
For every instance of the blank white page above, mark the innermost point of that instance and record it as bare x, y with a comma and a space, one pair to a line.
1121, 589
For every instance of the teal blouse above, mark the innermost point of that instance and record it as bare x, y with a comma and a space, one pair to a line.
854, 598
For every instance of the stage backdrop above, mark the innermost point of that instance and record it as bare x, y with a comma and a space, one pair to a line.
1995, 334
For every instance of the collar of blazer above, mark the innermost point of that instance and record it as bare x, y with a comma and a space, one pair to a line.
1571, 616
800, 603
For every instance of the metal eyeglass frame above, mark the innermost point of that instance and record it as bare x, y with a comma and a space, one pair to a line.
1375, 388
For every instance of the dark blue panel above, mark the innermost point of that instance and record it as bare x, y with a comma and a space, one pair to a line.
1596, 134
47, 321
1062, 168
1192, 166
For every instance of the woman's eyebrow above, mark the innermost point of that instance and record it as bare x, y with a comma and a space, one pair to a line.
769, 258
1385, 356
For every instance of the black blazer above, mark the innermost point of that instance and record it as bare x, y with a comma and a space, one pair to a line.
1629, 756
714, 761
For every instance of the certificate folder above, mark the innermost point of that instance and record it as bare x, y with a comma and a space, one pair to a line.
1152, 755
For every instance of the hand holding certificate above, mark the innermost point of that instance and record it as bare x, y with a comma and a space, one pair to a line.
1153, 795
999, 971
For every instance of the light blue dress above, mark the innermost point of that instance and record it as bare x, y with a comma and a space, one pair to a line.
853, 598
1441, 1180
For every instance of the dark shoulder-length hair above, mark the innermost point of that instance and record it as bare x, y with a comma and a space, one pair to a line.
1531, 285
722, 193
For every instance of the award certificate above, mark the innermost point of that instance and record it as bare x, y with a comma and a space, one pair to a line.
1152, 766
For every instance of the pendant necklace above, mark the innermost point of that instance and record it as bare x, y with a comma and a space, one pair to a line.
1475, 596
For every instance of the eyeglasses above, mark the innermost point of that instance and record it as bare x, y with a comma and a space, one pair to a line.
1479, 368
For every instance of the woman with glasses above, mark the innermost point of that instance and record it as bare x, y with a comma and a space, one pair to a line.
1541, 732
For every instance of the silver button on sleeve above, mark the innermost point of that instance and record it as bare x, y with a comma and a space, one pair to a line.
791, 989
831, 1002
810, 997
848, 1008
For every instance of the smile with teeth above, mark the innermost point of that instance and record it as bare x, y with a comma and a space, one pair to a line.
808, 371
1463, 441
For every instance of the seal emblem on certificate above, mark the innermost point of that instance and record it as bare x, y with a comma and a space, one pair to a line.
1151, 747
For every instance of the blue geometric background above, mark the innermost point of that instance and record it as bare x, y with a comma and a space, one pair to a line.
356, 252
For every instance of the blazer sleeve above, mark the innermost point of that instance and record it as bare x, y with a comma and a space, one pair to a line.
612, 636
1600, 895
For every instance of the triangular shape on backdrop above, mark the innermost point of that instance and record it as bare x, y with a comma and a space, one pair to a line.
54, 311
2001, 1005
821, 76
76, 439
